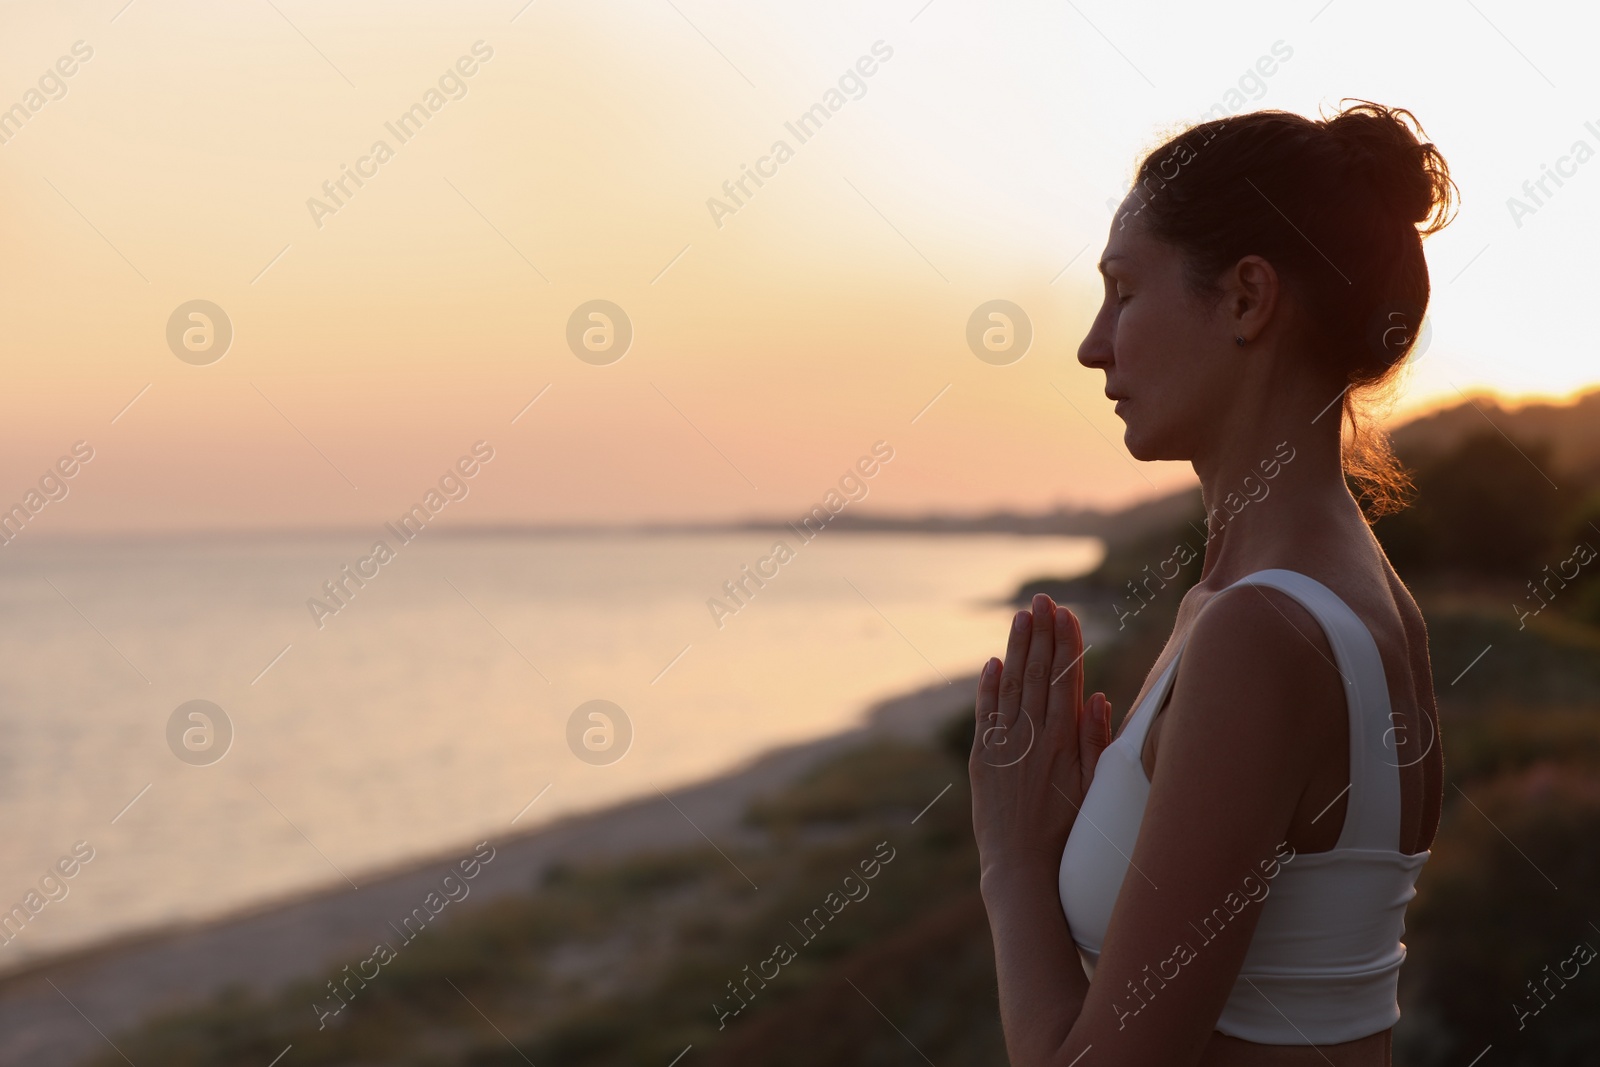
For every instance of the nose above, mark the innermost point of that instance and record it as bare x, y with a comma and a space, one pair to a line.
1094, 351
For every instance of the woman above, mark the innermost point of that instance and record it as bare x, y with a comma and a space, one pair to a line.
1226, 882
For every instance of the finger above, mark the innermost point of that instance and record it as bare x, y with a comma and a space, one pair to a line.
988, 703
1036, 670
1011, 673
1094, 734
1066, 677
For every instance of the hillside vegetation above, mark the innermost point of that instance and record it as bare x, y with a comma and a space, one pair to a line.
635, 962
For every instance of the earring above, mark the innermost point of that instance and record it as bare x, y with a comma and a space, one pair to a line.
1238, 340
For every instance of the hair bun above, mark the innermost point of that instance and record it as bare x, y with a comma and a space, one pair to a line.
1407, 173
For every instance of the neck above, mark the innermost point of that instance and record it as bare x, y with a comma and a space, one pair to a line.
1280, 482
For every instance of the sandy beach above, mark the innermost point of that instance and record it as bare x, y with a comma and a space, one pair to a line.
62, 1010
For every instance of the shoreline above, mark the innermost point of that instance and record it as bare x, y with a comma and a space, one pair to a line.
50, 1009
1104, 524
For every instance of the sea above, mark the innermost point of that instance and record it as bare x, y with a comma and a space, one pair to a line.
180, 711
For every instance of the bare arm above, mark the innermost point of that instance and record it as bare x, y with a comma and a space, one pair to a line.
1233, 762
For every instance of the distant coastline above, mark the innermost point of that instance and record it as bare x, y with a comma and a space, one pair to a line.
1061, 522
1106, 524
1569, 428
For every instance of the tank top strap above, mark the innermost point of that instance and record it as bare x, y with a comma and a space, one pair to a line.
1145, 713
1372, 813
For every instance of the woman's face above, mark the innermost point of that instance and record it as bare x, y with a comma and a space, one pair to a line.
1168, 357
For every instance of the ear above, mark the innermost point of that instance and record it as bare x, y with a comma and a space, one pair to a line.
1253, 297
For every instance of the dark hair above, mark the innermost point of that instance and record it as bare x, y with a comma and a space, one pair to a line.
1339, 207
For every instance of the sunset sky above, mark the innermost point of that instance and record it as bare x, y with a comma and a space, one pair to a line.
374, 344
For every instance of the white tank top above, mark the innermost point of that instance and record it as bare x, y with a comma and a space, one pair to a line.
1325, 957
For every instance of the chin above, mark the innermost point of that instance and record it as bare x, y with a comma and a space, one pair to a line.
1134, 442
1146, 447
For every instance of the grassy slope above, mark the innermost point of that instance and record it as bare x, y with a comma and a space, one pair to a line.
621, 963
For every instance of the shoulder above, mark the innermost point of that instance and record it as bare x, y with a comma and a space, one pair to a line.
1412, 622
1256, 670
1249, 621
